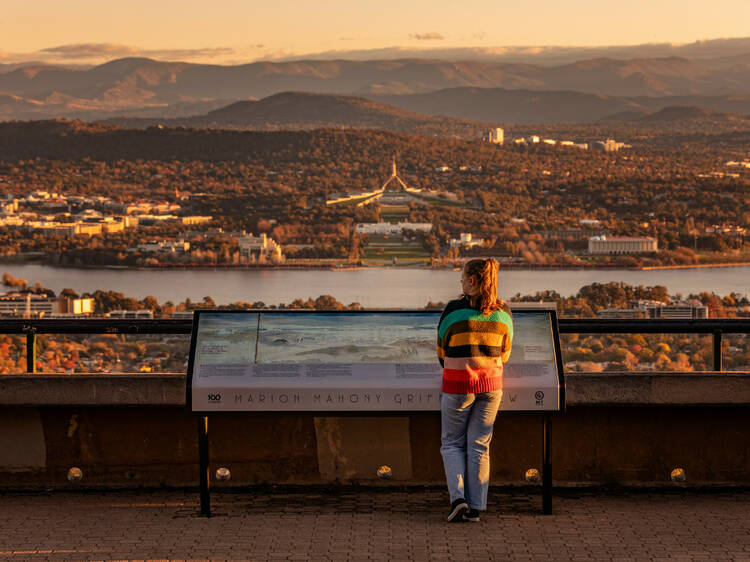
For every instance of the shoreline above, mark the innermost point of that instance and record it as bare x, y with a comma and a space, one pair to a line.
694, 266
354, 267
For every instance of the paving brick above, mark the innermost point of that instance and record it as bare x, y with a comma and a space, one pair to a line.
374, 524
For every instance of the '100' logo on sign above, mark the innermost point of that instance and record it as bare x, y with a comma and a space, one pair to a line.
214, 397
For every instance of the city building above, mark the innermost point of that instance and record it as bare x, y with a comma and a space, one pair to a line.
165, 208
30, 305
89, 215
260, 246
54, 228
139, 208
55, 205
593, 223
387, 228
163, 246
8, 205
183, 314
681, 310
399, 187
621, 245
197, 219
609, 145
40, 195
111, 225
87, 228
496, 136
435, 194
75, 306
465, 241
11, 221
364, 196
131, 314
147, 220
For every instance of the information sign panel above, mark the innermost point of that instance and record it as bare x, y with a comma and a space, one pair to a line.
352, 361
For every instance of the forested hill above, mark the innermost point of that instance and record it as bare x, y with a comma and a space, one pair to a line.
303, 111
75, 140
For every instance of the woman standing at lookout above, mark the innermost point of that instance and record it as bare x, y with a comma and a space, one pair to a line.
475, 334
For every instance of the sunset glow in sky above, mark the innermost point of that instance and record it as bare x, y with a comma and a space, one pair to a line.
234, 31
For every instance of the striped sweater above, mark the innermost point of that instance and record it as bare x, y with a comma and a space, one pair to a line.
472, 348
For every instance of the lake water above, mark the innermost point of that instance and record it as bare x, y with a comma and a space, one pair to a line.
373, 288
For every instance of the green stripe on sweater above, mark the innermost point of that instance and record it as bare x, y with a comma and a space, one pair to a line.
466, 314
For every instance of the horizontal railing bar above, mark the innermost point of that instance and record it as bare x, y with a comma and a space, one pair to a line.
184, 326
95, 326
653, 326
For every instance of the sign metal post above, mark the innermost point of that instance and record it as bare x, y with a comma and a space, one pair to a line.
204, 475
546, 468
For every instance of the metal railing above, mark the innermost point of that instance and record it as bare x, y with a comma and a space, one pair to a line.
32, 327
717, 327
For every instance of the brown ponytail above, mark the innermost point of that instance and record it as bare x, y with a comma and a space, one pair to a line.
485, 272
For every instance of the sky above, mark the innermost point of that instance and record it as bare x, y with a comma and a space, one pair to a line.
236, 31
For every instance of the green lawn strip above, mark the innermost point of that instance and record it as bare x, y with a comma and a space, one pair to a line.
397, 255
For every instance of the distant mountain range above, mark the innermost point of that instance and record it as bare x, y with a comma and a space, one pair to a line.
304, 111
716, 53
685, 119
499, 105
145, 87
301, 110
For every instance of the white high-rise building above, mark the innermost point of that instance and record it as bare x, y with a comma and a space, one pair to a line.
497, 136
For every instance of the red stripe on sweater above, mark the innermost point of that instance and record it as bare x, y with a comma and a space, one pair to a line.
475, 386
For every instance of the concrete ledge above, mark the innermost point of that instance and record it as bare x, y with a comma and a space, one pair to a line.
582, 389
93, 390
658, 389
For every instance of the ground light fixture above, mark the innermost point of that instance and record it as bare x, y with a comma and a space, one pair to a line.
223, 474
678, 475
384, 472
532, 475
75, 474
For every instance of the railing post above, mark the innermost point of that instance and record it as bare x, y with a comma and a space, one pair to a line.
203, 452
717, 350
31, 351
546, 467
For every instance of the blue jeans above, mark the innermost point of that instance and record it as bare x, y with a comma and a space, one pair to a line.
467, 422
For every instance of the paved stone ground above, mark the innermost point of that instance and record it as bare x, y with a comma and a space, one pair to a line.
378, 524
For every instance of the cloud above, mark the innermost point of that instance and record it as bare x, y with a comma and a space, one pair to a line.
89, 50
210, 53
110, 50
431, 36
